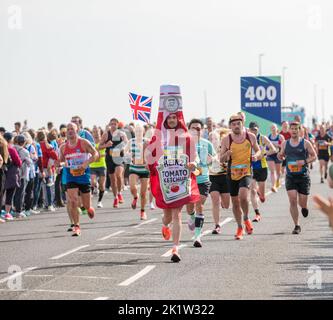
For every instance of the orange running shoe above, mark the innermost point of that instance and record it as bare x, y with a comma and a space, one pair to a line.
120, 198
91, 212
116, 203
166, 232
274, 189
143, 215
135, 200
248, 226
239, 234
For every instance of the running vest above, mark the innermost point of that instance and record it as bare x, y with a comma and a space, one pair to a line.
292, 155
322, 148
100, 163
74, 158
276, 142
260, 164
113, 151
240, 162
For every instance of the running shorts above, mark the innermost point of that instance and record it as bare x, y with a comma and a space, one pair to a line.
204, 188
235, 185
83, 188
260, 175
301, 184
219, 184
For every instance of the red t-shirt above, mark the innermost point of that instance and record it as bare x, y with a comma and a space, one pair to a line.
286, 135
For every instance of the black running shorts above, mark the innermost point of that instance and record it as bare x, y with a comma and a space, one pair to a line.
235, 185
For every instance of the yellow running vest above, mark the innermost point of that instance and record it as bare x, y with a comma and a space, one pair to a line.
240, 164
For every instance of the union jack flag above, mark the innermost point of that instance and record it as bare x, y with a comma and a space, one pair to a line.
140, 106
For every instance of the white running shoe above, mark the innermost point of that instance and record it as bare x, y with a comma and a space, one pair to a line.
152, 206
33, 211
20, 215
100, 205
51, 208
2, 221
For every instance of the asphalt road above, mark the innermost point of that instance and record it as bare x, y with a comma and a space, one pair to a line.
119, 257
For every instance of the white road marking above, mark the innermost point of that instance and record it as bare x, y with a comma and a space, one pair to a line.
145, 222
17, 274
69, 252
102, 298
169, 252
111, 235
118, 252
137, 276
79, 277
227, 220
51, 291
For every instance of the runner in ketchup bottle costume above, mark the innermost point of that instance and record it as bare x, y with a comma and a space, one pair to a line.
172, 161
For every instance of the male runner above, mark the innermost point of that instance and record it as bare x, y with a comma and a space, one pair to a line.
236, 148
298, 153
98, 168
323, 142
171, 156
205, 151
78, 154
219, 189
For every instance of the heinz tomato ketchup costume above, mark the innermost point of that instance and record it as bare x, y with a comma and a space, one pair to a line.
169, 152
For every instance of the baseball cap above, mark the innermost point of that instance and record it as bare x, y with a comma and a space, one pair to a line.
235, 117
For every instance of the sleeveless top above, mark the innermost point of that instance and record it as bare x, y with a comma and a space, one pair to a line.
276, 142
74, 158
292, 155
114, 151
100, 163
240, 162
260, 164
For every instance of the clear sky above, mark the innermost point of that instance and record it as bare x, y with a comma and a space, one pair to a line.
66, 57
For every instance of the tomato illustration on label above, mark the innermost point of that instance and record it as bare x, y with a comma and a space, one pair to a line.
174, 188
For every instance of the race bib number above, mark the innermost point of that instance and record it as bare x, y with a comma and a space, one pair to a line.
322, 145
174, 177
114, 152
239, 171
293, 167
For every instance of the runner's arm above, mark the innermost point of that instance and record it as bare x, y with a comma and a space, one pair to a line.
255, 146
225, 152
282, 154
270, 145
89, 149
312, 156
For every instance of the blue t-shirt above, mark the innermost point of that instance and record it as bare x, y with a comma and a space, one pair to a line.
84, 134
204, 148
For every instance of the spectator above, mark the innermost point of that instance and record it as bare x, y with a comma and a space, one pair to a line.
17, 129
12, 175
24, 174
